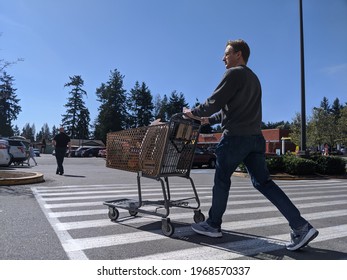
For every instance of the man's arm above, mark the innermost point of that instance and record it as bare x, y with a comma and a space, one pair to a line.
221, 96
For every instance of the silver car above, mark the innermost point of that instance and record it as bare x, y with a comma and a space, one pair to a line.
17, 151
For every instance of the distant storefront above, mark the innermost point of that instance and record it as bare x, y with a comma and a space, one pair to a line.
277, 140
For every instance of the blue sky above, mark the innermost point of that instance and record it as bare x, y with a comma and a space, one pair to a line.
171, 45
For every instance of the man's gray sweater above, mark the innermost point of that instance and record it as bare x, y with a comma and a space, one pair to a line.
235, 103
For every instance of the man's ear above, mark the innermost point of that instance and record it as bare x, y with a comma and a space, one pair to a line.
239, 55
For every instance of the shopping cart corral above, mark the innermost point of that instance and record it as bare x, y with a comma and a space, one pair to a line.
156, 152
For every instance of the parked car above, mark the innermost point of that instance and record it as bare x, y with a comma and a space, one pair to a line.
102, 153
72, 152
78, 152
92, 152
204, 157
17, 151
5, 157
37, 152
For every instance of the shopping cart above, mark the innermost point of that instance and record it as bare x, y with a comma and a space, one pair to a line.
156, 152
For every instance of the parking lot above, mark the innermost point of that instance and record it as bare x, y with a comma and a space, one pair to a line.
64, 217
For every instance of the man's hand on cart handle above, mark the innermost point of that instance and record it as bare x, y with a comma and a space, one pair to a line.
187, 112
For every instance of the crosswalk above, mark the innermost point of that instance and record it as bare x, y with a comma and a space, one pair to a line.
251, 224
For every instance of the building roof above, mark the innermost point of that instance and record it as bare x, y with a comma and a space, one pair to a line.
209, 138
84, 142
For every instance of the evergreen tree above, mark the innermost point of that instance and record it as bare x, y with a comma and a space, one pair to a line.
156, 106
44, 133
160, 108
140, 105
176, 103
16, 131
273, 125
336, 109
77, 118
324, 126
325, 105
28, 132
83, 124
9, 108
113, 110
54, 131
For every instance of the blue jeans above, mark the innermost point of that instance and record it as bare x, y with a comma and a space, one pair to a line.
231, 151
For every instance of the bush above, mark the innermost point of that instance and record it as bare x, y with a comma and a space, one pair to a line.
299, 166
275, 164
330, 165
291, 164
242, 168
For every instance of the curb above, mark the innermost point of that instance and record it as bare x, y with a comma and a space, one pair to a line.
9, 178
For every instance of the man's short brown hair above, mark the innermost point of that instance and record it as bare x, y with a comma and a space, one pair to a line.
240, 45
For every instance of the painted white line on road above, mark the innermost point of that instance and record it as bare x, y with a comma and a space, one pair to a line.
252, 223
238, 185
173, 188
63, 236
120, 191
236, 202
159, 193
256, 194
75, 247
234, 211
227, 250
251, 246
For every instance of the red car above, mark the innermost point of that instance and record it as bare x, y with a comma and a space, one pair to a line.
204, 157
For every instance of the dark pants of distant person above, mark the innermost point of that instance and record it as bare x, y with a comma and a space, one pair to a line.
59, 155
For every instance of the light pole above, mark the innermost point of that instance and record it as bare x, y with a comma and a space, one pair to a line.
303, 102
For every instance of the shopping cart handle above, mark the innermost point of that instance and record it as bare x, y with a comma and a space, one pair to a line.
185, 116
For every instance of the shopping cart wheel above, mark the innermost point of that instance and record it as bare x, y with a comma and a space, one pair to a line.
167, 228
133, 212
113, 213
198, 216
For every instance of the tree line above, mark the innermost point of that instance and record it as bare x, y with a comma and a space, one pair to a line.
121, 109
118, 110
326, 125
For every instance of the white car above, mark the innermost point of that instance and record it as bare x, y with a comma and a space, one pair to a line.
37, 152
17, 151
5, 157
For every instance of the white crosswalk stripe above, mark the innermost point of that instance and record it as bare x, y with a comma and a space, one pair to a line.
80, 219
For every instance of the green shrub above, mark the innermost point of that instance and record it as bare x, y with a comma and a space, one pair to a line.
330, 165
299, 166
275, 164
242, 168
291, 164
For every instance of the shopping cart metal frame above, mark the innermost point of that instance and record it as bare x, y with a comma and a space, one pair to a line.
156, 152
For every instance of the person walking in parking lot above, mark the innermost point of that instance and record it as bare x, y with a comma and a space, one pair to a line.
236, 104
31, 154
61, 141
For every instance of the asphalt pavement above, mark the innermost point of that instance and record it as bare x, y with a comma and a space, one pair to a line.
63, 217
